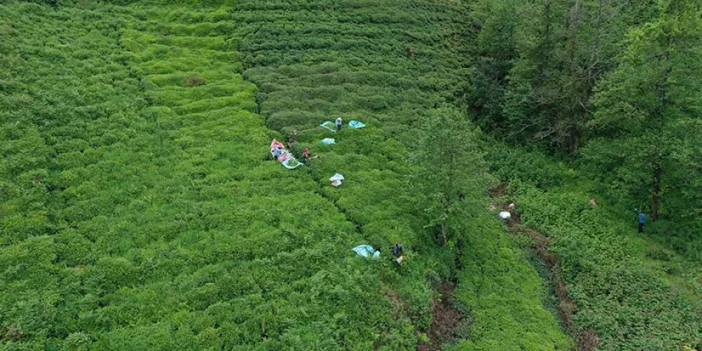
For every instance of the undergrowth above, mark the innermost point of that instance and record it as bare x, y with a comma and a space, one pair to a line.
635, 292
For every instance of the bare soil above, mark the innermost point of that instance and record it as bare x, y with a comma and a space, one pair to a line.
446, 321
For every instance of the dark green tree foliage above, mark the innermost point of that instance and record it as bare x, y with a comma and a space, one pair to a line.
564, 47
493, 53
452, 176
536, 64
531, 97
647, 123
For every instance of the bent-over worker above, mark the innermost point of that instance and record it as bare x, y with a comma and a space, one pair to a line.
339, 123
398, 252
306, 155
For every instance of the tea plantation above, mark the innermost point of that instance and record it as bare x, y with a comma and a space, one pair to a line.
140, 207
167, 228
389, 63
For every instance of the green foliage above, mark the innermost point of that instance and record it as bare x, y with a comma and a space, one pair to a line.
493, 265
616, 296
536, 64
635, 294
451, 166
517, 164
622, 79
143, 212
647, 111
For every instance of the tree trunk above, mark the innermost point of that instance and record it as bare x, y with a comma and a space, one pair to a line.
656, 193
444, 234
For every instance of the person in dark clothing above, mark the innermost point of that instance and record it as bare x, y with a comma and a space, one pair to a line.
398, 252
642, 221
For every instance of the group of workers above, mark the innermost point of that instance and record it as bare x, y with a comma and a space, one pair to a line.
397, 250
306, 154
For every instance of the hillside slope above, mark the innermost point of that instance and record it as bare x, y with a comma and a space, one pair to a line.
141, 209
390, 64
155, 220
634, 292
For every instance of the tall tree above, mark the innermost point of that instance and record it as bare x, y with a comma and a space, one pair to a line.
649, 110
452, 173
536, 63
493, 52
531, 97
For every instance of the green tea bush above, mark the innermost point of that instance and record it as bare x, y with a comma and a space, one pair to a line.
492, 265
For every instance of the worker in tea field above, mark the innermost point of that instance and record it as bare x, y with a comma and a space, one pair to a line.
306, 155
339, 123
642, 220
398, 252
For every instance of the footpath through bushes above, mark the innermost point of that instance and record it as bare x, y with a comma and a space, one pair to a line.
635, 293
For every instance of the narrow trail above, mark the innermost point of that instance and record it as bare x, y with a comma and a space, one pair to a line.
566, 307
447, 320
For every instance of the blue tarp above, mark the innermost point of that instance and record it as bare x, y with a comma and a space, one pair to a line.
356, 124
366, 251
328, 141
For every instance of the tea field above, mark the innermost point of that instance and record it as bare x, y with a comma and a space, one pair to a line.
143, 212
140, 207
390, 71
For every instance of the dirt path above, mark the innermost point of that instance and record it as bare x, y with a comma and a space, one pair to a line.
586, 340
446, 321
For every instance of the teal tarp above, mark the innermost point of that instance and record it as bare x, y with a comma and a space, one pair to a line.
366, 251
329, 125
356, 124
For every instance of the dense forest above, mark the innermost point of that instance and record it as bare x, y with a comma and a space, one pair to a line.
141, 209
614, 84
